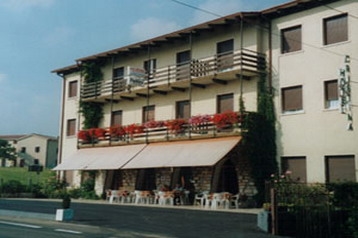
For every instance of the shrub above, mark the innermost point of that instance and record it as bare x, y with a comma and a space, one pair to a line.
13, 187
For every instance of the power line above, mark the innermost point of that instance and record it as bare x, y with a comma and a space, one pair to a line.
197, 8
272, 33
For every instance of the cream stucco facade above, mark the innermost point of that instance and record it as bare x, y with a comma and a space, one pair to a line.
315, 132
313, 138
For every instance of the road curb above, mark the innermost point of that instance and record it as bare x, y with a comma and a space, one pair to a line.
19, 214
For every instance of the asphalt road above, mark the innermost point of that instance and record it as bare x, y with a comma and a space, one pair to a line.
143, 221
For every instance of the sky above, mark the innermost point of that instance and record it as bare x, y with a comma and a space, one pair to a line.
38, 36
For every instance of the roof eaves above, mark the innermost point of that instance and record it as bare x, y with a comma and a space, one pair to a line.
170, 36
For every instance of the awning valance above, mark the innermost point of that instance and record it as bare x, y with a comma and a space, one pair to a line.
183, 154
103, 158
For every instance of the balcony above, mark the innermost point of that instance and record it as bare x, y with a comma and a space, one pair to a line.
197, 127
200, 73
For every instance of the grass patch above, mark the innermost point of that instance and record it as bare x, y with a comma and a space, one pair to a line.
24, 176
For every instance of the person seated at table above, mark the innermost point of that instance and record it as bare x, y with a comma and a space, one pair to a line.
177, 194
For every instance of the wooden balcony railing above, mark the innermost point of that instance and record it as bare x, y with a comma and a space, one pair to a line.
245, 62
202, 126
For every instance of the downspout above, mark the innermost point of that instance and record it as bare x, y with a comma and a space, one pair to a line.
80, 96
190, 78
148, 72
241, 102
60, 141
270, 59
112, 98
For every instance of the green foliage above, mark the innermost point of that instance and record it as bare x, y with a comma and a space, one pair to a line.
54, 188
91, 111
6, 150
345, 194
12, 187
86, 191
346, 197
259, 140
260, 149
91, 72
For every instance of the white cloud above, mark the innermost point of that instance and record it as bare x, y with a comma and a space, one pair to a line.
150, 27
218, 8
19, 5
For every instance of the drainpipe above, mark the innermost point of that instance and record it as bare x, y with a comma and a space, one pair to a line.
147, 111
60, 141
270, 59
190, 78
112, 97
241, 109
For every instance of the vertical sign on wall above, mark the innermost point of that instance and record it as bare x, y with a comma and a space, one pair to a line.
345, 92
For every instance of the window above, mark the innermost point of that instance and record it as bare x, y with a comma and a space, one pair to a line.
116, 118
291, 39
183, 109
23, 150
37, 149
225, 54
225, 103
292, 99
118, 73
148, 113
331, 94
150, 66
183, 65
71, 127
335, 29
297, 166
72, 89
340, 168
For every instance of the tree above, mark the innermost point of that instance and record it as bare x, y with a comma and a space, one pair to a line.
7, 151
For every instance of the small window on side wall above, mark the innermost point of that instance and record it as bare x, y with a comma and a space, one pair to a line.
335, 29
148, 113
291, 39
72, 89
331, 94
225, 103
71, 127
116, 119
292, 99
295, 167
182, 110
340, 168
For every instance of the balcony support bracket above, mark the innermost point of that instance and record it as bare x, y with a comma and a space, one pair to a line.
199, 85
219, 81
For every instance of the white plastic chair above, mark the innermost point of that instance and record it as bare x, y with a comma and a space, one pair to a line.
165, 198
199, 199
234, 201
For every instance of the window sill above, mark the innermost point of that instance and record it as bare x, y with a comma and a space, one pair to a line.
331, 109
292, 53
288, 113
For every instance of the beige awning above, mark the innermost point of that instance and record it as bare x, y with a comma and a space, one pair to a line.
183, 154
103, 158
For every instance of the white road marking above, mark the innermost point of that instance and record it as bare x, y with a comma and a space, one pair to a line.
20, 224
68, 231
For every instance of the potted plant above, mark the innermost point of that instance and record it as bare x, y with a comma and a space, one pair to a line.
176, 126
200, 123
66, 213
225, 120
84, 136
117, 132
